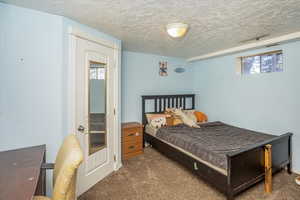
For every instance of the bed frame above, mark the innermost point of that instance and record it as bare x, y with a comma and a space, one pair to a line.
245, 168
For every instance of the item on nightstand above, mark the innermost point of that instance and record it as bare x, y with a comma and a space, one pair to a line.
132, 140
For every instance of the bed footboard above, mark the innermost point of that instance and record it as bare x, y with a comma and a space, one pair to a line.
246, 167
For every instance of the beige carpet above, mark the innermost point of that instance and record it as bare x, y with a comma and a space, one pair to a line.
153, 176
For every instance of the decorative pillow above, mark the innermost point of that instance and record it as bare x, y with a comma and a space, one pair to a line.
201, 117
186, 120
153, 116
190, 114
156, 120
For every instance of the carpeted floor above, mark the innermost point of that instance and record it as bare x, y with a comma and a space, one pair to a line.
152, 176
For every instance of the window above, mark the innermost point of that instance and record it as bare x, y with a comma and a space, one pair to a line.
262, 63
97, 71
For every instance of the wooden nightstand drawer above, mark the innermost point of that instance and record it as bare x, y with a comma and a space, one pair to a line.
131, 134
133, 146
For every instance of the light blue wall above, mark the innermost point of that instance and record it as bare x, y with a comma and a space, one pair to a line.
34, 77
140, 77
264, 102
31, 79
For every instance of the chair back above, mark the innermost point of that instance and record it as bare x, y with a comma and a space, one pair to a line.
67, 162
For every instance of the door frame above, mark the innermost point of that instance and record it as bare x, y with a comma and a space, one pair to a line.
74, 33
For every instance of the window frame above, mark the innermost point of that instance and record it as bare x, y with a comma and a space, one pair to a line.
240, 65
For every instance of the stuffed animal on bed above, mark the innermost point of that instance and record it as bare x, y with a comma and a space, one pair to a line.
185, 119
170, 111
172, 120
190, 114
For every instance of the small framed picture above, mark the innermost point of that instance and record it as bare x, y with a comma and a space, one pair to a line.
163, 68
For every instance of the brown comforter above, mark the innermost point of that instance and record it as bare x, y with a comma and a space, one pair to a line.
212, 141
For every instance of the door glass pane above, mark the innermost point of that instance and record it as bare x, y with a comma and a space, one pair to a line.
97, 107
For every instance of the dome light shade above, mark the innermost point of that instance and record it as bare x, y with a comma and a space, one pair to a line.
177, 30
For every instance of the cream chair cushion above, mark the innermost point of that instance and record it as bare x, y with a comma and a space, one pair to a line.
66, 164
41, 198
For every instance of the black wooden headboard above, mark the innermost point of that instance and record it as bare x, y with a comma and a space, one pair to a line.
161, 102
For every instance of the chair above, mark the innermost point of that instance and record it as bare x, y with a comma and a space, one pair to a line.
66, 164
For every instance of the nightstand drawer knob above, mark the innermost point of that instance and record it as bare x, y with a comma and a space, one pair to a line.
131, 147
134, 134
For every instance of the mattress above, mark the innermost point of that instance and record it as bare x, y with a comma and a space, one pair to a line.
152, 131
211, 143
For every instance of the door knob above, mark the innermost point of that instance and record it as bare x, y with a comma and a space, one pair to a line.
81, 128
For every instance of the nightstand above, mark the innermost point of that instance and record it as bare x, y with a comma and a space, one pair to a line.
132, 139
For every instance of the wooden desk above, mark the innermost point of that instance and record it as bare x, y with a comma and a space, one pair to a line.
21, 176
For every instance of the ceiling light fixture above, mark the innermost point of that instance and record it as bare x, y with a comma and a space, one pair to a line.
177, 30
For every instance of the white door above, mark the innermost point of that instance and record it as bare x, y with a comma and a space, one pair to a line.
94, 111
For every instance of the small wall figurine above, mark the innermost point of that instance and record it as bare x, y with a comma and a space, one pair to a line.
163, 68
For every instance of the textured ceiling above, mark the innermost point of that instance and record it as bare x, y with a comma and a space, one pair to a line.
214, 24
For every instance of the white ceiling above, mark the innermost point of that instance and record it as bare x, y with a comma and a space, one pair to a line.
214, 24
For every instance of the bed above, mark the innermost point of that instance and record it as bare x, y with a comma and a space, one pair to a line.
229, 165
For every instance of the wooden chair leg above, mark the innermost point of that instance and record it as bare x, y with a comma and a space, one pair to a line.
268, 168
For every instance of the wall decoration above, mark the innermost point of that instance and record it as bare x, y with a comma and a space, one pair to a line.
179, 69
163, 68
